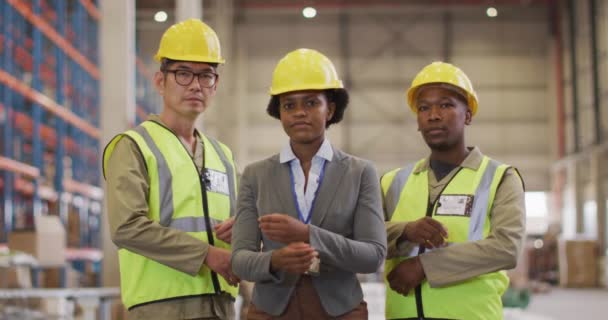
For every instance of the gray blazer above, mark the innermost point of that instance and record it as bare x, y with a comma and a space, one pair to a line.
346, 228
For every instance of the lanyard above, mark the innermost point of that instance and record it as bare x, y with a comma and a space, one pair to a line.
295, 196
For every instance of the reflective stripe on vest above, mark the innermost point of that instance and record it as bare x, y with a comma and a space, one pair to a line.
231, 176
480, 200
188, 224
394, 191
165, 192
443, 302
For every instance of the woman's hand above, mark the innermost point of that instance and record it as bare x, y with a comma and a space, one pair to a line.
295, 258
282, 228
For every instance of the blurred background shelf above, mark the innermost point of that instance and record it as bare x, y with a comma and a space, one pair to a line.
49, 122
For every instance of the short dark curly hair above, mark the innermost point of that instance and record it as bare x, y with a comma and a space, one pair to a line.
338, 96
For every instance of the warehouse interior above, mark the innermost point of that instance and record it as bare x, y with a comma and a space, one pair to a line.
75, 73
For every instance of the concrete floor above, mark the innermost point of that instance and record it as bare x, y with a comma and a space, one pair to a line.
557, 304
562, 304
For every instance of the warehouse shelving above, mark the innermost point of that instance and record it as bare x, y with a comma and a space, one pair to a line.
49, 118
147, 101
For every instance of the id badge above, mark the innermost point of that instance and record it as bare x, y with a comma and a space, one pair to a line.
216, 181
455, 205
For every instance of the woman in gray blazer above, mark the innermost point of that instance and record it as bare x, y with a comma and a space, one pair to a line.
309, 218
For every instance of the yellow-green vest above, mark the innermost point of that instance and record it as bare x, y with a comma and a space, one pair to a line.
176, 201
406, 198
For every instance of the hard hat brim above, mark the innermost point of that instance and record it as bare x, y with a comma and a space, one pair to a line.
191, 58
335, 85
413, 92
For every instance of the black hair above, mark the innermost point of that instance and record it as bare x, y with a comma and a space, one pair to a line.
338, 96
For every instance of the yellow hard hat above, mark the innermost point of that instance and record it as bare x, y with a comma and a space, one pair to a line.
304, 69
190, 40
443, 73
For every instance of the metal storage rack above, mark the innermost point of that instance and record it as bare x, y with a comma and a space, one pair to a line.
49, 118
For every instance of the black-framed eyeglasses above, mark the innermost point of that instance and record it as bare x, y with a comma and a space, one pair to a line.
206, 79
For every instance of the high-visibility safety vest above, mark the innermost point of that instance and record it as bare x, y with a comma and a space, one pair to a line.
178, 200
406, 198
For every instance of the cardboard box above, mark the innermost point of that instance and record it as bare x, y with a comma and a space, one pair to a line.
578, 261
73, 226
15, 277
59, 277
46, 243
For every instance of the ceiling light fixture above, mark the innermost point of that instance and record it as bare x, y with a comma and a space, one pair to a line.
309, 12
160, 16
492, 12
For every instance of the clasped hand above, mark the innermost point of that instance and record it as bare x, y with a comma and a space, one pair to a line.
296, 258
426, 231
298, 255
406, 276
283, 228
223, 231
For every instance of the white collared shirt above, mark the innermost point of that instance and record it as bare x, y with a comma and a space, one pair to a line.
306, 199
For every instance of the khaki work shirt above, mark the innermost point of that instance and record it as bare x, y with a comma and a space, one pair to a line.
130, 228
463, 261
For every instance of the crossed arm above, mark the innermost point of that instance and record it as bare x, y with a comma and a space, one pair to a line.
364, 252
448, 265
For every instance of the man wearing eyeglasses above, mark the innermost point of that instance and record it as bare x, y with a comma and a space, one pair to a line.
171, 192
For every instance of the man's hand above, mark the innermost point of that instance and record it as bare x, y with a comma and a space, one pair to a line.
406, 276
223, 231
426, 231
295, 258
218, 260
283, 228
